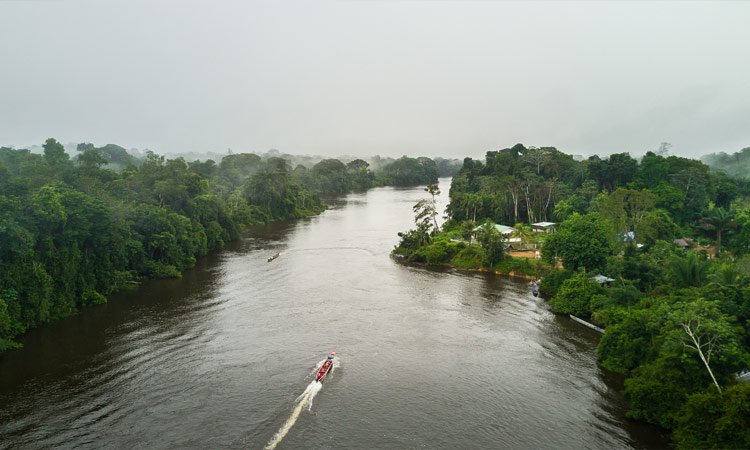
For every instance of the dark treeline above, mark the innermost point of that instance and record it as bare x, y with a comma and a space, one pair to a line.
74, 230
672, 234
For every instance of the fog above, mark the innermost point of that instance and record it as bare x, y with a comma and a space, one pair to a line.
367, 77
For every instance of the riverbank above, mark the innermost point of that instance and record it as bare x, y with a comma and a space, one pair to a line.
519, 274
444, 250
231, 342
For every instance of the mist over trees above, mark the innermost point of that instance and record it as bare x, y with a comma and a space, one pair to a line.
735, 164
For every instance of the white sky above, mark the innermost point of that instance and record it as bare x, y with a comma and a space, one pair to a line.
370, 77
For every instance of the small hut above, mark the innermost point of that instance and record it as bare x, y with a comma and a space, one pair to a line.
601, 279
502, 229
505, 230
682, 243
543, 227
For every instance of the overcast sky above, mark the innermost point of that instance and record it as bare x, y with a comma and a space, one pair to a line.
376, 77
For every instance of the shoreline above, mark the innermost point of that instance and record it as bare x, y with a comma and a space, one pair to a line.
511, 274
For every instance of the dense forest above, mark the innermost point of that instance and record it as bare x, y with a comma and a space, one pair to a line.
74, 230
672, 238
736, 164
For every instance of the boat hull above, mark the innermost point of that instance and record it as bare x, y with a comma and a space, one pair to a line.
324, 369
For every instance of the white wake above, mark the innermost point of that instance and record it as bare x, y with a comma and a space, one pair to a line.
304, 400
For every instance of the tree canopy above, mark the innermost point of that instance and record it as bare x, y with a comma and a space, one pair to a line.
74, 230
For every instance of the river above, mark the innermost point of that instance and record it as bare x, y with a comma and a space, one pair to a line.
429, 359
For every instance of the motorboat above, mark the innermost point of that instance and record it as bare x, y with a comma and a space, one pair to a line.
326, 367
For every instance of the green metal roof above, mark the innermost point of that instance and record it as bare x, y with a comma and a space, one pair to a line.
504, 229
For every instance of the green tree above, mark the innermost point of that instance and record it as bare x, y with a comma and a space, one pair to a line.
473, 202
407, 171
653, 170
575, 294
522, 232
237, 168
563, 210
697, 346
332, 177
580, 241
693, 181
360, 175
657, 391
739, 241
688, 271
54, 152
632, 341
493, 244
7, 325
434, 191
424, 212
719, 220
712, 420
656, 225
699, 330
625, 209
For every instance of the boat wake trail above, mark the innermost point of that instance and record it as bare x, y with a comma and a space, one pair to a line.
304, 400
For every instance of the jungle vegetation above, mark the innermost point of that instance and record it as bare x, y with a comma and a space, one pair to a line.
672, 233
736, 164
76, 229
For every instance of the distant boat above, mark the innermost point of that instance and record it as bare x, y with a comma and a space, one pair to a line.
274, 257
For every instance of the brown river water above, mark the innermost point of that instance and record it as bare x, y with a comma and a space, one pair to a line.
428, 359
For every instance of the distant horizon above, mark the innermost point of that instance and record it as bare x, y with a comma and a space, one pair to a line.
363, 78
476, 156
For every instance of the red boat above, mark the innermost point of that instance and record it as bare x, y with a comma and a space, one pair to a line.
325, 367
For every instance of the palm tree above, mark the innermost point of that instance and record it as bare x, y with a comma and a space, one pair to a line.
522, 232
688, 271
719, 220
562, 210
473, 202
726, 275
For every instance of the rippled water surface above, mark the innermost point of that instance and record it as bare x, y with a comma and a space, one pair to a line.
216, 359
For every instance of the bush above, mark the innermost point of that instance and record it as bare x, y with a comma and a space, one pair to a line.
520, 266
91, 297
551, 282
157, 270
470, 257
6, 328
439, 252
121, 280
575, 294
410, 240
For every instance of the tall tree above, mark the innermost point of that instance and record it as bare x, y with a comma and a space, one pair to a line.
719, 220
493, 244
434, 191
54, 152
